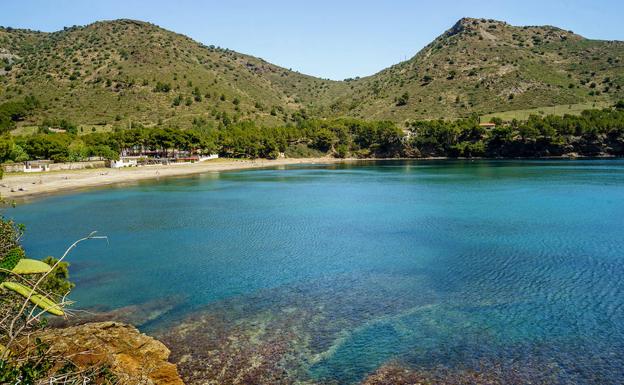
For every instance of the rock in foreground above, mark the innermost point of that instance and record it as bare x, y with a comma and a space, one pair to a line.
132, 357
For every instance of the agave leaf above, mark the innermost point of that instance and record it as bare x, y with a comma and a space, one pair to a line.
10, 260
31, 266
39, 300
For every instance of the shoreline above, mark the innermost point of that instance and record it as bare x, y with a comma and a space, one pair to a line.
22, 186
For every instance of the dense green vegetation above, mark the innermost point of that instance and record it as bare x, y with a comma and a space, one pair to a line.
14, 111
593, 132
237, 140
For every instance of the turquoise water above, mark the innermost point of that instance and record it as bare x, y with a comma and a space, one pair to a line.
430, 263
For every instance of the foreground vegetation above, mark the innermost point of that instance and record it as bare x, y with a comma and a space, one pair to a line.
29, 290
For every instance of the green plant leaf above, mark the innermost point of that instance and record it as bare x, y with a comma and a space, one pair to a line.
31, 266
39, 300
10, 260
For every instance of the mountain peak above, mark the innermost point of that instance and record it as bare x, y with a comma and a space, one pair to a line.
472, 24
487, 27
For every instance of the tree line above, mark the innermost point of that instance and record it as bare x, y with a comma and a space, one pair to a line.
341, 138
593, 132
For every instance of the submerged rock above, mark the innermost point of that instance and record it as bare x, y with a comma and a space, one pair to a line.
394, 373
132, 357
276, 336
137, 315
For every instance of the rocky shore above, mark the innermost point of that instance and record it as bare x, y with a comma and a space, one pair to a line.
131, 357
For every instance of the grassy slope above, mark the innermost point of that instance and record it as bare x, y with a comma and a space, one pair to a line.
563, 109
116, 66
478, 64
104, 74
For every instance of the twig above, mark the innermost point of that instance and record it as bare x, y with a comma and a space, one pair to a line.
12, 331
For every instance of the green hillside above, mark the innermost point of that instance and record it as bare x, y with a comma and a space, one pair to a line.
117, 73
487, 66
113, 72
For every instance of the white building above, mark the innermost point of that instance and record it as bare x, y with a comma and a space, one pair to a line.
124, 162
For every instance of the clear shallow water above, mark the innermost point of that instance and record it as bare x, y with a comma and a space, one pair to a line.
447, 263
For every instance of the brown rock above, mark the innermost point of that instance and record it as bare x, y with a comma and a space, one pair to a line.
134, 358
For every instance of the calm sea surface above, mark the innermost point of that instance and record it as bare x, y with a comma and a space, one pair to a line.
426, 263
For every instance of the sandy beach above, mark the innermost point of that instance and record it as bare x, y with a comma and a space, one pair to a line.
22, 185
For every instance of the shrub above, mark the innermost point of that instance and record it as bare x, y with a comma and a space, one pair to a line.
402, 100
342, 151
162, 87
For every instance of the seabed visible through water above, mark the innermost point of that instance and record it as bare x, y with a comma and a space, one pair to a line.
453, 272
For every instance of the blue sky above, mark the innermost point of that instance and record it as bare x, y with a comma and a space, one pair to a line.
331, 39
